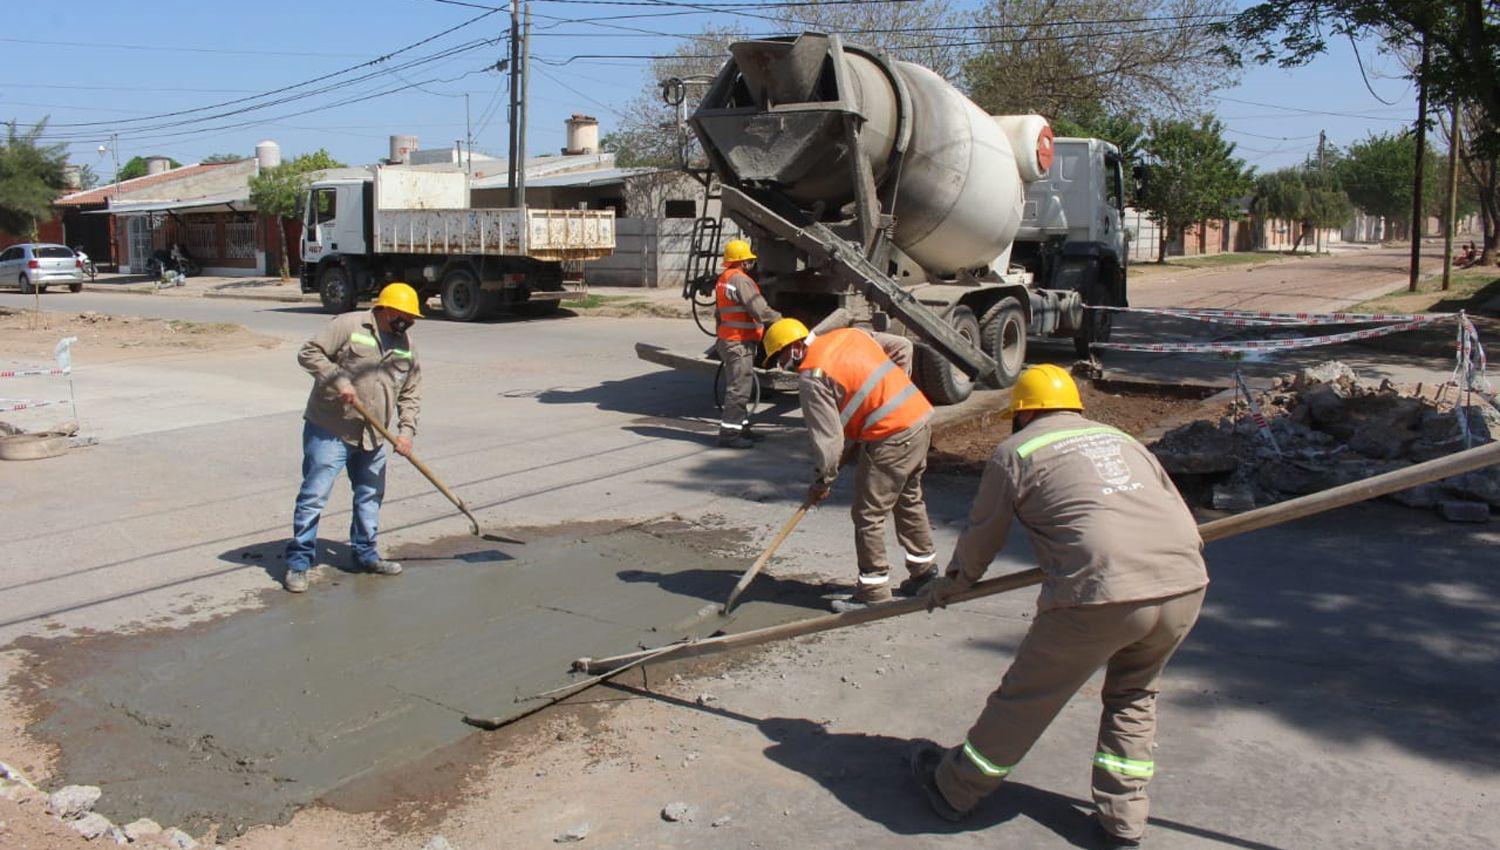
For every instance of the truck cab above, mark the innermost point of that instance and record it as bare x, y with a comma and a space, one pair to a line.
1072, 234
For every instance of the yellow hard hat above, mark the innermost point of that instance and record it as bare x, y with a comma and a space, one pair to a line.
781, 334
1045, 387
738, 251
400, 297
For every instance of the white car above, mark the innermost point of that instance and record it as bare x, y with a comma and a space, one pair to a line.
36, 266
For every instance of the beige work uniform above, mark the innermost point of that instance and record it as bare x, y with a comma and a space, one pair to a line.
738, 356
1124, 581
888, 478
350, 352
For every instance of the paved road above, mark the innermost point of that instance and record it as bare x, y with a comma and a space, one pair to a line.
1322, 283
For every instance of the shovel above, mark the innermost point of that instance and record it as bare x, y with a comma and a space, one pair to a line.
436, 482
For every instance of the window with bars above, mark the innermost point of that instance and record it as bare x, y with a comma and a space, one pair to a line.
203, 238
239, 240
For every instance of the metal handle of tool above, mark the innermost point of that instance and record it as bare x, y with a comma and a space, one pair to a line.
1305, 506
421, 467
765, 556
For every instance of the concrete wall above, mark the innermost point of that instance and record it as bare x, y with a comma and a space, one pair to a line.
649, 252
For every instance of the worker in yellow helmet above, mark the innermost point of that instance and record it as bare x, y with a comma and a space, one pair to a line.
365, 356
1124, 579
742, 315
856, 391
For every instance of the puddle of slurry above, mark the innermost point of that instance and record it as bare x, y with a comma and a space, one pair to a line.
240, 721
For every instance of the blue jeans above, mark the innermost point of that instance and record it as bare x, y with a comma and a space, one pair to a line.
323, 455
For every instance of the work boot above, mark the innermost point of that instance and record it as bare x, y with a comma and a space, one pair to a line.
295, 581
731, 439
924, 761
918, 579
864, 596
1112, 840
382, 567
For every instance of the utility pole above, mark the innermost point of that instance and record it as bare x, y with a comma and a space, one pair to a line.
1454, 134
515, 68
468, 137
1416, 197
1317, 226
521, 133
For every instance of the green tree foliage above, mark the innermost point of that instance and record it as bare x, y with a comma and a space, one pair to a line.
31, 177
1055, 56
136, 167
1379, 172
87, 177
1309, 196
1192, 175
279, 191
1092, 120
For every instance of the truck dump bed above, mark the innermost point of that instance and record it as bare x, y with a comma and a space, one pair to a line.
428, 213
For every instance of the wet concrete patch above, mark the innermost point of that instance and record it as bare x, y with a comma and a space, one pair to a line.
241, 720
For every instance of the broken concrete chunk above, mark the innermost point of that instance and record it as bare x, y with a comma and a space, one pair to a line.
74, 801
92, 825
1236, 498
1327, 372
721, 821
438, 842
677, 812
142, 828
1198, 448
574, 835
1454, 510
175, 837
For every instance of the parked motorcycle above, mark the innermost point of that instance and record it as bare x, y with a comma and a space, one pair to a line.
175, 260
85, 263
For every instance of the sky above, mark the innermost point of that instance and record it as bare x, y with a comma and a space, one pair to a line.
91, 66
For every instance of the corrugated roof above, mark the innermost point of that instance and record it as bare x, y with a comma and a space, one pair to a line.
234, 201
601, 177
102, 194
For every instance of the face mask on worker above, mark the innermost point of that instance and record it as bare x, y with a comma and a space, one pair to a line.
792, 357
400, 324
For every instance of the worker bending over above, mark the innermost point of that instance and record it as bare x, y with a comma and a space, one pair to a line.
856, 386
364, 356
1124, 578
742, 314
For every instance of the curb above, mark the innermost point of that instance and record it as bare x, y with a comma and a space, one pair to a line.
279, 299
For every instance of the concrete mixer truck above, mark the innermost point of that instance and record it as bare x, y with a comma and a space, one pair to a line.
874, 190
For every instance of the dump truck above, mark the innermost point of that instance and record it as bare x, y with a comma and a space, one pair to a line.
872, 188
394, 223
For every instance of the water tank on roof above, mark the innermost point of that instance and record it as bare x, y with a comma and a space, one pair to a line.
401, 148
267, 154
583, 135
158, 164
72, 177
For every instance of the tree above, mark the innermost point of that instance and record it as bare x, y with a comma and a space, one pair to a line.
1281, 195
1379, 172
1482, 168
31, 178
1192, 175
279, 191
87, 178
1056, 56
222, 157
136, 167
1091, 120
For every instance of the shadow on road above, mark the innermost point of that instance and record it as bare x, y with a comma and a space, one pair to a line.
715, 585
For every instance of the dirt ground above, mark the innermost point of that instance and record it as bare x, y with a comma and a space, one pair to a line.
32, 336
966, 449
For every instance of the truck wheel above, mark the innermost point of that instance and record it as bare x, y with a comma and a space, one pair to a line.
943, 382
336, 290
463, 300
1097, 324
1004, 338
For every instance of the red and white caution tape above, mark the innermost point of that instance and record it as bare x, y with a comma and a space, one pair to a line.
1269, 344
62, 353
1255, 412
9, 404
22, 373
1258, 318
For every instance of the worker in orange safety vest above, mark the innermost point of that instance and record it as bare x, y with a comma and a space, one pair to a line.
742, 315
855, 387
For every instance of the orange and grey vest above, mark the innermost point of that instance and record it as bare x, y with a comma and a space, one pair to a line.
879, 399
735, 322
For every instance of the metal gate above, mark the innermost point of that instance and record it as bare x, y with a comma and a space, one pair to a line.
138, 229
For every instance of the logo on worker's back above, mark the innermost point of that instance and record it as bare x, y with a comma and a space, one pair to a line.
1110, 463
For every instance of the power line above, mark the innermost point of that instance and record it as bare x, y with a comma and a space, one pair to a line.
1306, 111
157, 48
1363, 76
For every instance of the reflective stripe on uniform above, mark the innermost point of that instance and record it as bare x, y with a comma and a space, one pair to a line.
874, 580
921, 559
751, 325
731, 426
1124, 766
852, 405
363, 339
987, 767
401, 353
885, 410
1032, 445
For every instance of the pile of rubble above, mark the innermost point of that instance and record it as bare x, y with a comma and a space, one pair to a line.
74, 806
1331, 427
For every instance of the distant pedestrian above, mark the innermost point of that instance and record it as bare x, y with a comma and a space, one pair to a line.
365, 356
1124, 579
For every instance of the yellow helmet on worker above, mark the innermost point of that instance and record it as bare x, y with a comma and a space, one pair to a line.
401, 298
781, 334
1045, 387
737, 251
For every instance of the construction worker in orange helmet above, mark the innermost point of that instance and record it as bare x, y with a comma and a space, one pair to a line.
1124, 579
856, 390
741, 314
364, 356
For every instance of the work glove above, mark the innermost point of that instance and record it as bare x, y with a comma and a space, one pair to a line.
943, 588
818, 491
